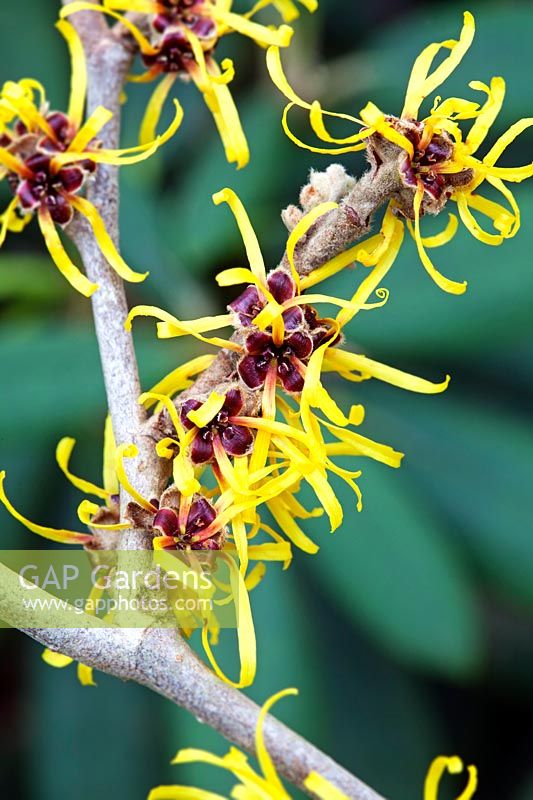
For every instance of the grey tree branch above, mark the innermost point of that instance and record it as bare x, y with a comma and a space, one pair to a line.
159, 658
162, 661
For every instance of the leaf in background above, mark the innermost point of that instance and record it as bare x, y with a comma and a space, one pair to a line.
473, 463
30, 277
392, 570
421, 319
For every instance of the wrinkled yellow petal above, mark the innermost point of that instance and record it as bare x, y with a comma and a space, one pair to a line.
109, 469
374, 118
495, 96
265, 762
87, 510
179, 379
245, 633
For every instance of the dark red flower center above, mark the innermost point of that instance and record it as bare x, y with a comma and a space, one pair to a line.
288, 357
235, 439
50, 187
426, 162
201, 515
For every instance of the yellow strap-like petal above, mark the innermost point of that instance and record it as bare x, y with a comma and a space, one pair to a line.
342, 361
130, 451
109, 467
454, 766
495, 96
322, 788
81, 5
182, 793
374, 118
55, 535
439, 239
63, 452
251, 243
70, 271
105, 242
180, 378
278, 37
87, 132
447, 285
363, 446
422, 82
170, 326
78, 78
154, 108
470, 222
220, 102
265, 762
290, 527
203, 415
87, 510
6, 219
13, 164
85, 675
245, 633
57, 660
301, 229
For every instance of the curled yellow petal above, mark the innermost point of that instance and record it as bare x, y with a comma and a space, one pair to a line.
55, 535
154, 108
130, 451
447, 285
87, 510
263, 756
109, 468
78, 78
279, 37
422, 82
341, 361
454, 766
203, 415
301, 229
251, 243
179, 379
374, 118
495, 96
63, 452
245, 633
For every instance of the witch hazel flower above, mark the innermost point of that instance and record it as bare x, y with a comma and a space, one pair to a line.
47, 157
177, 39
437, 159
221, 430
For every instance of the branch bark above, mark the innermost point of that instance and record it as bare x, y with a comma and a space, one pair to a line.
162, 661
159, 658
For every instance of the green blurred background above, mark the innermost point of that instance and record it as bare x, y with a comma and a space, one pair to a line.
410, 633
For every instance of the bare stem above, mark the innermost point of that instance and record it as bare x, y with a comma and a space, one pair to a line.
161, 660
